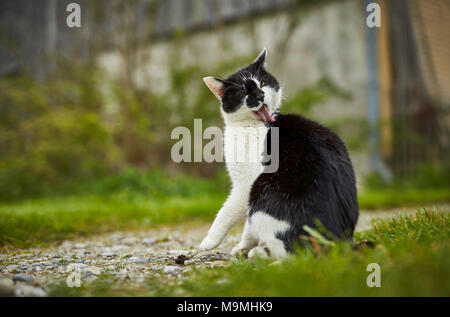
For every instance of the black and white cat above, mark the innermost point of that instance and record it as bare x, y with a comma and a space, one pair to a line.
314, 181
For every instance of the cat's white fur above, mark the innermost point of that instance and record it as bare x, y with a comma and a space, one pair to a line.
260, 233
261, 228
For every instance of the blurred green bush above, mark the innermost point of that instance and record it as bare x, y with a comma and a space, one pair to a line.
51, 132
80, 126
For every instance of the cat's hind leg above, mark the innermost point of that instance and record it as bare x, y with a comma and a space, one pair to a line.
267, 229
273, 248
258, 252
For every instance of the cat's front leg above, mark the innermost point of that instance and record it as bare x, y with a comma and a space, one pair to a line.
233, 211
248, 241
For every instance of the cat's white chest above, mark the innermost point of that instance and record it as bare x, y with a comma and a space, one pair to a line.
243, 148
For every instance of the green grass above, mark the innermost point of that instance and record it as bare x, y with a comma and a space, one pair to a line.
402, 197
128, 201
412, 251
38, 221
136, 200
45, 220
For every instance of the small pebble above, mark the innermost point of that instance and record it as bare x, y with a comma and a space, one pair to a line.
22, 278
148, 241
135, 259
180, 259
119, 247
29, 291
172, 270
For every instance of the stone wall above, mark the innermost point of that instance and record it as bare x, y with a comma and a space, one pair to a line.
327, 40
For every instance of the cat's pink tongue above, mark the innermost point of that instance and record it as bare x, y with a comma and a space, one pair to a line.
264, 114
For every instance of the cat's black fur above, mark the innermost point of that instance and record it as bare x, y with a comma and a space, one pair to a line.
314, 182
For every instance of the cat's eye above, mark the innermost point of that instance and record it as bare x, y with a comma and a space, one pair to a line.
262, 84
243, 94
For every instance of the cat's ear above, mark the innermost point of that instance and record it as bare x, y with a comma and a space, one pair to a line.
215, 85
260, 61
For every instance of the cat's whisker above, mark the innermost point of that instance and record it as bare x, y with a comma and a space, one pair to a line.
230, 82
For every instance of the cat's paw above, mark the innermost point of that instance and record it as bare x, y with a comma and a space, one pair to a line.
239, 250
258, 252
272, 249
209, 243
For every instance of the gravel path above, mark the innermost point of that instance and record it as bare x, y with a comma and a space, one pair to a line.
168, 251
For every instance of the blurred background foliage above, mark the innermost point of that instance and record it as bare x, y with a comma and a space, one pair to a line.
58, 133
68, 126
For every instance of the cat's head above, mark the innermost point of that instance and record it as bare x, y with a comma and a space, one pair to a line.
251, 93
